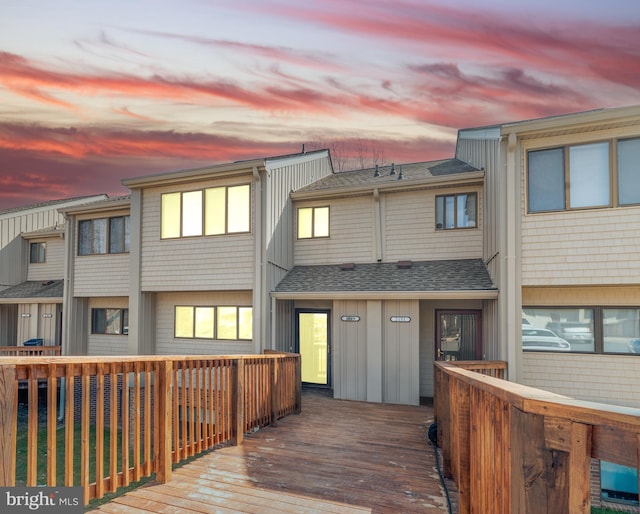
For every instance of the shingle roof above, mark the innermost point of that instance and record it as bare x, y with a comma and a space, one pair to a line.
31, 289
414, 171
447, 275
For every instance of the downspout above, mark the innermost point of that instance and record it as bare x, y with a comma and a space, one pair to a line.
259, 282
377, 220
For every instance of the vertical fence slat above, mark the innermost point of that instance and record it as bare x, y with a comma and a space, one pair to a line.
69, 425
125, 432
8, 424
147, 420
113, 429
164, 386
52, 390
99, 428
85, 412
32, 429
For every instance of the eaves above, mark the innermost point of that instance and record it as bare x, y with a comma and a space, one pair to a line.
467, 179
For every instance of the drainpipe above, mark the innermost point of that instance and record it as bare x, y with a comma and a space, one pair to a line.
259, 332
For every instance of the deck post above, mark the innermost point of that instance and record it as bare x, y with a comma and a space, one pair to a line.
298, 384
8, 425
274, 365
237, 405
164, 373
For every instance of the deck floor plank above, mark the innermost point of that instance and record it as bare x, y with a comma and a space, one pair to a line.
335, 457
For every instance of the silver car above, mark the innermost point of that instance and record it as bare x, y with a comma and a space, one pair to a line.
541, 339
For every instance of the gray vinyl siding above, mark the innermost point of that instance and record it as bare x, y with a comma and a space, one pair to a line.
101, 275
349, 355
53, 267
224, 262
400, 350
279, 212
351, 237
106, 344
8, 324
410, 228
167, 344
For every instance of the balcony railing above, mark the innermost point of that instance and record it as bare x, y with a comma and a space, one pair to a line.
512, 448
30, 351
127, 418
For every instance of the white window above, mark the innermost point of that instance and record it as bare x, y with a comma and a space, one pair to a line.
313, 222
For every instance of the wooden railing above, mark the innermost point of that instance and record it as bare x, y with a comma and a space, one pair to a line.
30, 351
127, 418
515, 449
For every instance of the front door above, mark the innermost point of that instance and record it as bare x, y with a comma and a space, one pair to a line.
458, 335
312, 334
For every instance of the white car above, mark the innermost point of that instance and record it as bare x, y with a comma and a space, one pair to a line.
541, 339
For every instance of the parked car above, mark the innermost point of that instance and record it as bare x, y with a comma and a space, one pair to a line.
573, 332
541, 339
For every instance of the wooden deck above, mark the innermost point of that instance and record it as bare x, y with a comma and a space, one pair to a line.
336, 456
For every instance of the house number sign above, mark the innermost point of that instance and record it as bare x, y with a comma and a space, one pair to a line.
350, 318
400, 319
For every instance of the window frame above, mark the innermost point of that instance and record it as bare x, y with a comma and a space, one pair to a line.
455, 211
215, 321
313, 210
123, 316
40, 252
126, 235
204, 232
598, 326
613, 174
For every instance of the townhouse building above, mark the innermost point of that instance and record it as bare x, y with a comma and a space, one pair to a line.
32, 256
562, 242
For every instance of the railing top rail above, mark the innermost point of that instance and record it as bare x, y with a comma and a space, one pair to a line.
136, 358
538, 401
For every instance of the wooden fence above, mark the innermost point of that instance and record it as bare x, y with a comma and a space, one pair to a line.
127, 418
515, 449
30, 351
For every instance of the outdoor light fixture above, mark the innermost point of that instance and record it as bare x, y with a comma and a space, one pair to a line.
350, 318
400, 319
26, 314
47, 315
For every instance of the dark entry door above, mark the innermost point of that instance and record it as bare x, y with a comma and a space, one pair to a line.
459, 335
312, 331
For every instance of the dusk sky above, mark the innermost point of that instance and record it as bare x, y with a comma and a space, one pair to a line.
95, 91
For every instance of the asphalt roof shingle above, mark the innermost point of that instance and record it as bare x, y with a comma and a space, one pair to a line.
423, 276
413, 171
32, 289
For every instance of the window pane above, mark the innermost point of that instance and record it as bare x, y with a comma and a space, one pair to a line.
170, 215
439, 212
204, 322
99, 242
546, 180
127, 233
113, 322
573, 326
98, 321
84, 237
116, 235
215, 205
305, 217
321, 222
618, 483
589, 175
449, 211
471, 210
38, 252
245, 323
184, 321
192, 213
621, 329
239, 210
629, 171
227, 323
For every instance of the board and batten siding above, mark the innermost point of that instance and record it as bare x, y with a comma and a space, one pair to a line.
107, 344
194, 263
349, 355
101, 275
400, 349
167, 344
279, 212
351, 237
14, 223
409, 222
53, 267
